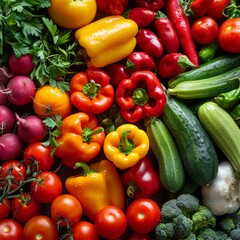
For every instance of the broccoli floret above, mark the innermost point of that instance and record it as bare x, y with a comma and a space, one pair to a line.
203, 218
226, 224
235, 234
164, 231
169, 211
192, 236
222, 235
188, 203
207, 234
182, 226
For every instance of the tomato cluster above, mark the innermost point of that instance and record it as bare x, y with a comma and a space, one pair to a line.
34, 201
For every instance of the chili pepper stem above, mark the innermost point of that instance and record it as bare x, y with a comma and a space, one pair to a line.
126, 145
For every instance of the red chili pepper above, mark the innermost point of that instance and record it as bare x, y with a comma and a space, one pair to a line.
115, 7
200, 7
140, 96
117, 72
172, 64
153, 5
138, 61
166, 32
91, 92
142, 16
149, 42
182, 26
142, 179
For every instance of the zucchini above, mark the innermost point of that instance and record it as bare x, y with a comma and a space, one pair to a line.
195, 146
171, 170
208, 87
223, 131
212, 68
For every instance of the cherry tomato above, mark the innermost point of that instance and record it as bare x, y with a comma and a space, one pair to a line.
229, 35
139, 236
47, 188
24, 207
10, 229
204, 30
5, 208
16, 169
143, 215
84, 230
111, 222
40, 227
40, 154
66, 209
216, 9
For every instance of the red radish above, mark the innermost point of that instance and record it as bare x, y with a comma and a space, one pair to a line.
3, 95
7, 119
5, 75
10, 146
21, 66
21, 90
31, 128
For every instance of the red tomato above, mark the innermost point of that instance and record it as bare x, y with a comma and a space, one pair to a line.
24, 207
139, 236
66, 209
10, 229
39, 154
204, 30
40, 227
111, 222
216, 9
47, 188
84, 230
16, 169
143, 215
229, 35
5, 208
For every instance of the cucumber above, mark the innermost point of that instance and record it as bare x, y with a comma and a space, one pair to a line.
207, 87
223, 130
212, 68
171, 170
195, 146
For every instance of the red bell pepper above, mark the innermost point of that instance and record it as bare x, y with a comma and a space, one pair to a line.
142, 179
91, 91
149, 42
115, 7
139, 96
182, 26
138, 61
142, 16
166, 32
172, 64
153, 5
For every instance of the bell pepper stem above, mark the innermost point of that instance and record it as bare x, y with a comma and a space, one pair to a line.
126, 145
140, 96
132, 189
86, 169
91, 89
87, 133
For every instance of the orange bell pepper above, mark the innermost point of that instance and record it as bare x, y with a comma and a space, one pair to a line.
81, 139
99, 185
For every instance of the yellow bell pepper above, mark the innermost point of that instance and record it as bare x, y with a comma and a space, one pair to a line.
107, 40
99, 185
126, 146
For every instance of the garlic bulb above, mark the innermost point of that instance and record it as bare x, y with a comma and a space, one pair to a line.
222, 196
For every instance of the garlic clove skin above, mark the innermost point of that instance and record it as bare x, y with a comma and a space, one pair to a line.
222, 196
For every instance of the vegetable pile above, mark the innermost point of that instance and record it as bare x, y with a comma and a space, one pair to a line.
119, 119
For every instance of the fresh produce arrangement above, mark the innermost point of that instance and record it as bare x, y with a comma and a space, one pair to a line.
120, 119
